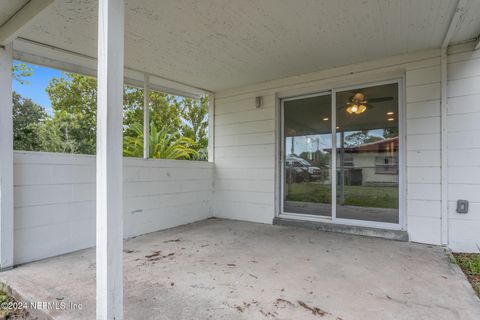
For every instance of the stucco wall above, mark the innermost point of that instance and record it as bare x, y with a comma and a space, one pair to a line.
54, 198
464, 146
246, 140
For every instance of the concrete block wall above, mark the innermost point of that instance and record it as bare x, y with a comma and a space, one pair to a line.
54, 197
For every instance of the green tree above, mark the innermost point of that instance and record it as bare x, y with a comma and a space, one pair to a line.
164, 109
26, 116
60, 134
194, 114
390, 133
359, 138
73, 100
73, 127
20, 71
163, 144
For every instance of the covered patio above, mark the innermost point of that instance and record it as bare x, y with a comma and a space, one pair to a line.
224, 269
347, 116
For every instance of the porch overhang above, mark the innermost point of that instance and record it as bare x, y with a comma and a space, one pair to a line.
219, 45
191, 48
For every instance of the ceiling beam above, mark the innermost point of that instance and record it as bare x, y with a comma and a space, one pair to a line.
12, 27
454, 22
30, 51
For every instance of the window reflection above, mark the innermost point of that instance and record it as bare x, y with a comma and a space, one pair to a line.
308, 145
367, 156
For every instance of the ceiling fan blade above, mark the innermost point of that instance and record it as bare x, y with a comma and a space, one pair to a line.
382, 99
372, 100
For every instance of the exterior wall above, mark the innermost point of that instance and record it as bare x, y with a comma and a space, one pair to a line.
244, 158
245, 138
54, 198
55, 193
423, 203
464, 146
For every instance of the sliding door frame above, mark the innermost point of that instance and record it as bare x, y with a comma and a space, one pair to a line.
282, 151
401, 225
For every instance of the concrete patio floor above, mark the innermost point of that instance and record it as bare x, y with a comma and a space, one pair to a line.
221, 269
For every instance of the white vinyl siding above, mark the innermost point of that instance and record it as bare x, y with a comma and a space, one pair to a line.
245, 186
423, 152
464, 146
244, 165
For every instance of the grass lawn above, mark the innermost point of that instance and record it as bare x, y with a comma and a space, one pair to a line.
470, 264
6, 313
361, 196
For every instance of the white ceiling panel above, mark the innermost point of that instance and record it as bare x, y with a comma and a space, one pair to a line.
221, 44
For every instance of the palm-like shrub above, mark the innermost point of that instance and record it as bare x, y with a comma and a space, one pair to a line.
162, 144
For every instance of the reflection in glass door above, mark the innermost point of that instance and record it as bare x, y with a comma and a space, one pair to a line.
367, 154
366, 162
307, 155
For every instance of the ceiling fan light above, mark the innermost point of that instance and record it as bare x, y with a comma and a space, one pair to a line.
356, 109
357, 104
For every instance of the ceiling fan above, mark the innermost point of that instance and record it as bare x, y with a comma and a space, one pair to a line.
358, 103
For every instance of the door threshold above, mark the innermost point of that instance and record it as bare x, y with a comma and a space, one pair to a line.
398, 235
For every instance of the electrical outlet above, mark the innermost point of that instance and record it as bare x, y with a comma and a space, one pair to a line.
462, 206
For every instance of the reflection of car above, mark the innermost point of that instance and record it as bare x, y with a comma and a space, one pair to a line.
296, 172
299, 170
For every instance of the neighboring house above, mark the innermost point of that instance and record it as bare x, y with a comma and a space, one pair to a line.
374, 163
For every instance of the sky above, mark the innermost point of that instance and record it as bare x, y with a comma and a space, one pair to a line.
35, 86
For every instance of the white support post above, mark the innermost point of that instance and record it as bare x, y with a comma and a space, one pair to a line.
146, 117
109, 160
211, 127
6, 159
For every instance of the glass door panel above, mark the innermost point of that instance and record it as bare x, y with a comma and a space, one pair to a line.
307, 153
367, 154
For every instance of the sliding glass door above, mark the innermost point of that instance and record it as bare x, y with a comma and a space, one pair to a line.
308, 155
367, 154
364, 152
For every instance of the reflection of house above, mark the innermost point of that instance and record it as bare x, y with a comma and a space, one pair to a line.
374, 163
